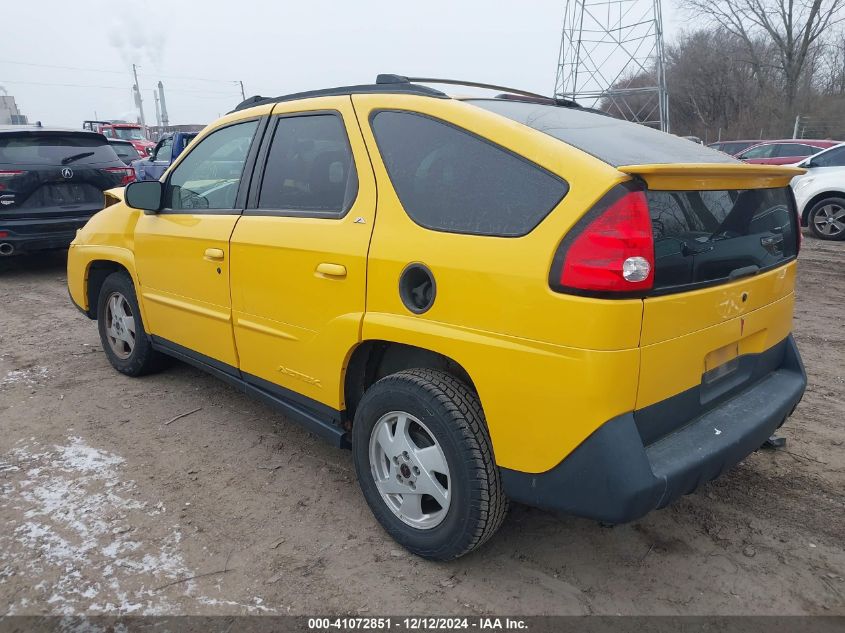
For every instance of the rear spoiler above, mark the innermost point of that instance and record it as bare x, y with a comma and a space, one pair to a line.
691, 176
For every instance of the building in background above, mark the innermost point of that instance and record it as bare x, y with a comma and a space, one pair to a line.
9, 113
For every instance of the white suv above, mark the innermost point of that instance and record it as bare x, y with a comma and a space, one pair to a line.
820, 193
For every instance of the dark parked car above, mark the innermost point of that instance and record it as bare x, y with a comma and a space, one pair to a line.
125, 150
732, 147
51, 183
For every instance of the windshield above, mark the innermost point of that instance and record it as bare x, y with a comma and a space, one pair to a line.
129, 133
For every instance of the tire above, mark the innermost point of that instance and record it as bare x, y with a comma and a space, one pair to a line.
827, 219
446, 427
129, 353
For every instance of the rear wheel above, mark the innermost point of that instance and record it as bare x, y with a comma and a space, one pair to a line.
425, 463
827, 219
124, 340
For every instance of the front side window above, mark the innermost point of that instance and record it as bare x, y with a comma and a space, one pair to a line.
164, 150
832, 158
448, 179
209, 177
310, 168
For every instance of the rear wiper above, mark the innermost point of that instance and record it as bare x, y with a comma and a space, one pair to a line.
70, 159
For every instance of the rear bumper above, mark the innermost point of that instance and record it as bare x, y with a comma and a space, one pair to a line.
614, 476
31, 234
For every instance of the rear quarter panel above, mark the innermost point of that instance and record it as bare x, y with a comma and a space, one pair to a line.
541, 361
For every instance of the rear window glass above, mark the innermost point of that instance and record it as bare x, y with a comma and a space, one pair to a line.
451, 180
51, 149
613, 141
703, 237
125, 151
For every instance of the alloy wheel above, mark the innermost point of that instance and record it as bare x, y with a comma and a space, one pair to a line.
120, 326
410, 470
830, 220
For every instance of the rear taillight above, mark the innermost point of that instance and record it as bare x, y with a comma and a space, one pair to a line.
127, 174
611, 250
6, 174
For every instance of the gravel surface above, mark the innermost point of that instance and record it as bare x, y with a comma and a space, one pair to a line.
233, 509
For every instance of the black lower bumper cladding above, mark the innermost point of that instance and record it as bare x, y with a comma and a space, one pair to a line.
613, 476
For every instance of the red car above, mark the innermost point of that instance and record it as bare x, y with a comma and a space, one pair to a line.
783, 152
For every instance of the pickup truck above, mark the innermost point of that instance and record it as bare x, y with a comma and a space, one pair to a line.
122, 130
166, 151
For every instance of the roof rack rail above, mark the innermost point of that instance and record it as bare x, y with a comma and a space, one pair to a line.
388, 79
387, 83
406, 88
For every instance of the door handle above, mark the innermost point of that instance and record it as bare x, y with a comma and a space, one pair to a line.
214, 254
331, 270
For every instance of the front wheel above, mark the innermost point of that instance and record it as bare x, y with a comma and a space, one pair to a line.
425, 463
124, 340
827, 219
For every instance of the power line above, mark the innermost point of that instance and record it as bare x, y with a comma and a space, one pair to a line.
127, 88
116, 72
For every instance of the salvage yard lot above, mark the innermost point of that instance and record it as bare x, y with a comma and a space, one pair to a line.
108, 506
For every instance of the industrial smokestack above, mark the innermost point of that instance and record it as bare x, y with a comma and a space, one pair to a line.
165, 121
158, 110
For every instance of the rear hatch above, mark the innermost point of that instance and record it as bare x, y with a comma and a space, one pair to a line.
720, 310
52, 174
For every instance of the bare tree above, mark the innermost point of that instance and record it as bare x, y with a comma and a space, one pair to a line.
794, 27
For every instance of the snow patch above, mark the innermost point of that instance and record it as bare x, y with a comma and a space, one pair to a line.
28, 377
76, 530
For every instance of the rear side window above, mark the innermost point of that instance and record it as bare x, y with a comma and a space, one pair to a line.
448, 179
733, 148
310, 169
52, 149
702, 237
832, 158
796, 149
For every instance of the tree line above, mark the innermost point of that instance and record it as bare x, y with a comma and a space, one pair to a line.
752, 68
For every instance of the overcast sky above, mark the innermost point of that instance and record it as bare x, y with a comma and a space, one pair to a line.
273, 47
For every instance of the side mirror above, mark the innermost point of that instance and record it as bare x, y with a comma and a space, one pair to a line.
145, 195
809, 163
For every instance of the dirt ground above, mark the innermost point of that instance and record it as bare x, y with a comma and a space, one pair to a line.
234, 509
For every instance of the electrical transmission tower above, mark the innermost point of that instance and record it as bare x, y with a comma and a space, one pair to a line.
611, 58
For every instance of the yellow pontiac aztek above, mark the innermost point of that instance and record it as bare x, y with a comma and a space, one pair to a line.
486, 298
